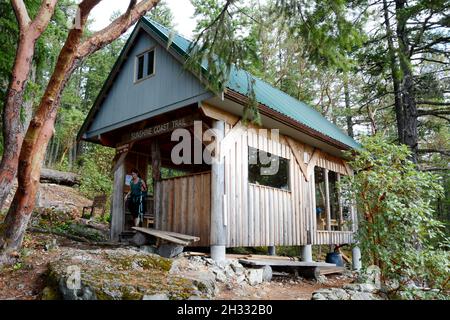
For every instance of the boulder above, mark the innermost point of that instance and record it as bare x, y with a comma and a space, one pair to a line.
237, 267
255, 276
169, 250
267, 273
148, 249
140, 239
204, 282
358, 295
321, 279
115, 274
221, 277
331, 294
353, 291
229, 273
361, 287
240, 279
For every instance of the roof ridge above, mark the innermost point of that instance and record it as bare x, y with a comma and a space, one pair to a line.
289, 109
169, 30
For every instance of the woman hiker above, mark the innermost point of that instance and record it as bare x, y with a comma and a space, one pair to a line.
136, 197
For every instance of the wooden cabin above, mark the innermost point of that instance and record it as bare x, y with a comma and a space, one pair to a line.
149, 94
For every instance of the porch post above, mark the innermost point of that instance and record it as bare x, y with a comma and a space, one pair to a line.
327, 199
218, 230
356, 258
156, 176
117, 208
307, 253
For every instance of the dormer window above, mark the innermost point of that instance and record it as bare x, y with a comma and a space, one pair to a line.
145, 65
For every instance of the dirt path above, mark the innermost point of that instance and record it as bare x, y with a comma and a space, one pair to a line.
282, 289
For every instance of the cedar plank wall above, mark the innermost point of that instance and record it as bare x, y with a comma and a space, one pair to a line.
255, 215
258, 215
186, 206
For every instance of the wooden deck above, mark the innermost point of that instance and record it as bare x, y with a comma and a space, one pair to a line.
305, 269
284, 263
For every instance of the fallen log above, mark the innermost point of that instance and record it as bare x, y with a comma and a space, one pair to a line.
76, 238
94, 225
59, 177
61, 234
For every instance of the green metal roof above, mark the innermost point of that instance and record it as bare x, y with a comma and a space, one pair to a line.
266, 94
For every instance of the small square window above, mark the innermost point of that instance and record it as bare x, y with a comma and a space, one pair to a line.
145, 65
140, 68
150, 62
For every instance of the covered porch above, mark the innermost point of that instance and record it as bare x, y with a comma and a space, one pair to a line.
179, 194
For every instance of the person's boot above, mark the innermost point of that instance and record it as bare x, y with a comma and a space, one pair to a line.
136, 222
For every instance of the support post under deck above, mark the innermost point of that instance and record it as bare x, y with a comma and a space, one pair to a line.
307, 253
218, 230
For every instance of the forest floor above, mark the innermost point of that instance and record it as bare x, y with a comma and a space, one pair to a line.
283, 289
26, 279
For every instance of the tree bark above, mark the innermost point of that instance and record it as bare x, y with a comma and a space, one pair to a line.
42, 125
348, 108
13, 128
396, 77
410, 137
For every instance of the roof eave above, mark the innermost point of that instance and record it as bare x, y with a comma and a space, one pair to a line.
267, 111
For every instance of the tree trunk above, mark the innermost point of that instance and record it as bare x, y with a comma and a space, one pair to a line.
13, 128
348, 108
410, 136
41, 127
396, 77
33, 148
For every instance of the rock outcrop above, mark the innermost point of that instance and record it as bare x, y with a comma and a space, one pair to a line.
352, 291
229, 272
116, 275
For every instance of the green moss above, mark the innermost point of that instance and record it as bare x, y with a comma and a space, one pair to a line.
124, 275
130, 294
50, 293
145, 262
155, 262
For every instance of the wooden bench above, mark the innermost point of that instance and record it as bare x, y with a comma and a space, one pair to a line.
99, 202
168, 243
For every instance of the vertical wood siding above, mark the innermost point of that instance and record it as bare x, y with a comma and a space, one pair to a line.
255, 215
259, 215
186, 206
